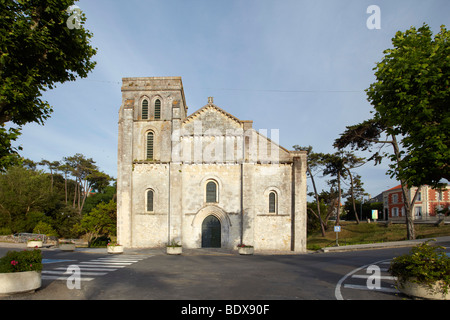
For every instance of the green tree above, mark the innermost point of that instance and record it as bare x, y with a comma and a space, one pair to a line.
314, 161
52, 166
37, 51
100, 221
24, 198
9, 155
105, 195
410, 100
88, 177
355, 194
339, 165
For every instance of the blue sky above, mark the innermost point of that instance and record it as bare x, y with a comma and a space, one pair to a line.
297, 66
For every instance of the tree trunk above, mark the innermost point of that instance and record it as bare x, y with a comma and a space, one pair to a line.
75, 194
317, 201
339, 199
65, 185
410, 231
353, 197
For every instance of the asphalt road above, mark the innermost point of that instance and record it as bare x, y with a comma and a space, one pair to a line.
208, 275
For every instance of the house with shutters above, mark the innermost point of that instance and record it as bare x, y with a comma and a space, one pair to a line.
203, 180
428, 205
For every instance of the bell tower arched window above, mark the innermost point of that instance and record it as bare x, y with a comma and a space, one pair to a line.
157, 109
145, 109
149, 151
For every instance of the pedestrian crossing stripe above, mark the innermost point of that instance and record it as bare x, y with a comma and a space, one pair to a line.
45, 277
87, 268
46, 261
95, 267
108, 263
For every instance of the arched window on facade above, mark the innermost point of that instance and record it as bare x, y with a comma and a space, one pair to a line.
145, 109
272, 202
149, 151
150, 199
211, 192
157, 109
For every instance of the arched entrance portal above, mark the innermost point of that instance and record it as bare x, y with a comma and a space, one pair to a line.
211, 232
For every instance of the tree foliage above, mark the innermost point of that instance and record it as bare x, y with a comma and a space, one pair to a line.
32, 199
339, 166
101, 220
37, 51
411, 98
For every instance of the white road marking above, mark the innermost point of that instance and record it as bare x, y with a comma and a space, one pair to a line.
70, 273
63, 278
108, 263
337, 290
98, 264
382, 289
87, 268
92, 268
366, 276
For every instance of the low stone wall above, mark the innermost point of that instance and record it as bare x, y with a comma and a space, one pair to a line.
9, 238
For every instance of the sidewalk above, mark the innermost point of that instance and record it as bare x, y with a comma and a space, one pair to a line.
443, 241
394, 244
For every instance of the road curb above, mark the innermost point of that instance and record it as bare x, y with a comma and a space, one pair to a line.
383, 245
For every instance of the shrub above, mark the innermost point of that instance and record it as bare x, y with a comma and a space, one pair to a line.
174, 244
18, 261
45, 228
425, 264
241, 245
5, 231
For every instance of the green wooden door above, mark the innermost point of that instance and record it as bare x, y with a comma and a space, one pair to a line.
211, 232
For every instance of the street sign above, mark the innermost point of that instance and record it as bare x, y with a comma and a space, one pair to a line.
337, 229
374, 214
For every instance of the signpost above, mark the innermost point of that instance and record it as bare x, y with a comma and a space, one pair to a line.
337, 229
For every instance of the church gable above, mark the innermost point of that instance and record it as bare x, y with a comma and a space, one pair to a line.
210, 120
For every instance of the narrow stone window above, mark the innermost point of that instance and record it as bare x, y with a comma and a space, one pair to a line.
145, 109
211, 192
150, 199
272, 202
150, 146
157, 109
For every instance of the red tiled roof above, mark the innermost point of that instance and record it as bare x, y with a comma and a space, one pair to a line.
394, 188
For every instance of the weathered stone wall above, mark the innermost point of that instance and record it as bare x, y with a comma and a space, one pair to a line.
209, 145
226, 209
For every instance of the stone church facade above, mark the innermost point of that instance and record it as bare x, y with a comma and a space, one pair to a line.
203, 180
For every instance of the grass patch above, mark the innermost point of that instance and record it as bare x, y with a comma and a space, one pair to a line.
352, 233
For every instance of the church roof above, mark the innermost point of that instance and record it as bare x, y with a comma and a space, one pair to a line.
210, 106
